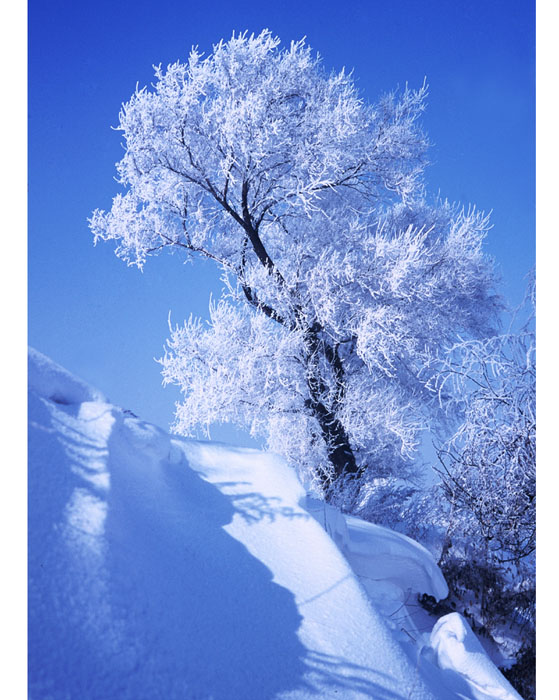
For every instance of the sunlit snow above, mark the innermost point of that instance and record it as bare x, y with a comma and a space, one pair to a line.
166, 568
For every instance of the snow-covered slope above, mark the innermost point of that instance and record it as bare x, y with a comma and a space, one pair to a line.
166, 568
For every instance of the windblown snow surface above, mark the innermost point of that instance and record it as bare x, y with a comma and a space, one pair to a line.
166, 568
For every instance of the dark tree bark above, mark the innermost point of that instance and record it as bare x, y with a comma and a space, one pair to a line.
340, 452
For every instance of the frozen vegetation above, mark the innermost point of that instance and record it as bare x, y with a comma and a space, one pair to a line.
342, 277
162, 567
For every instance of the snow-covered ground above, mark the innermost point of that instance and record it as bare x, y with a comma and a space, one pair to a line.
166, 568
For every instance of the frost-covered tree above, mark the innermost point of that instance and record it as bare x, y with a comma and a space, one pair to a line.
340, 279
488, 488
488, 467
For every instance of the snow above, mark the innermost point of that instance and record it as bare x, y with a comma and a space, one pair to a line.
392, 568
166, 568
53, 382
458, 649
377, 553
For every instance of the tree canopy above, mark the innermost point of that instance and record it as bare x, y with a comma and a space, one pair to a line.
342, 279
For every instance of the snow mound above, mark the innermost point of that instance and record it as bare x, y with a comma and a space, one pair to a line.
457, 649
166, 568
53, 382
392, 568
377, 553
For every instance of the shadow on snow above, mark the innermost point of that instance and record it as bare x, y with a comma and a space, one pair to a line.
136, 590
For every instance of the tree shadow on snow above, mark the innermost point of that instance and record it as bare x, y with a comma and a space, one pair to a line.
346, 679
144, 595
204, 617
254, 506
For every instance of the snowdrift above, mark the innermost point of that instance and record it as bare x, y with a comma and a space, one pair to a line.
167, 568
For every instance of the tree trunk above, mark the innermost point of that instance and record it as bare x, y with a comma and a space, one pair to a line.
340, 452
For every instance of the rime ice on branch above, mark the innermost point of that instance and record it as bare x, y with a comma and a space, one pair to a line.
341, 279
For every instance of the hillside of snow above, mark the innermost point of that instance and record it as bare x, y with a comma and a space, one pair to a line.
166, 568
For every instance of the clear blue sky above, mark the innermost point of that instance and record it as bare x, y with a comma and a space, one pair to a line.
106, 322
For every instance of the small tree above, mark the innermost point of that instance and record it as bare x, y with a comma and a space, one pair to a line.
340, 280
488, 467
488, 480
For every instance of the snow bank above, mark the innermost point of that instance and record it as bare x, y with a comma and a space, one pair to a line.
392, 568
53, 382
377, 553
164, 568
161, 567
458, 650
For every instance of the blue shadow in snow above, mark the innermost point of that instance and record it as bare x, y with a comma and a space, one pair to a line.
165, 604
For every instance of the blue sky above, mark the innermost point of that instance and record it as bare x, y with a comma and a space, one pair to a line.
106, 322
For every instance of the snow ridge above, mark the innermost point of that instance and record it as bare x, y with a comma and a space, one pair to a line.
167, 568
